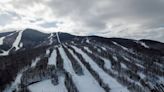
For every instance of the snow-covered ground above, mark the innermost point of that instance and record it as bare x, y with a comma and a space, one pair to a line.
15, 84
34, 62
57, 35
143, 44
120, 46
67, 62
17, 40
4, 53
107, 62
52, 59
1, 40
47, 86
84, 83
124, 66
112, 83
86, 48
51, 38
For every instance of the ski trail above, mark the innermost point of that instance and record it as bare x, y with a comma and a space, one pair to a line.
17, 40
107, 62
80, 81
57, 35
86, 83
67, 64
113, 84
52, 58
51, 38
1, 40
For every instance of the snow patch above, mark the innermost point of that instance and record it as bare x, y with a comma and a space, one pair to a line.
107, 64
104, 48
87, 40
87, 49
21, 45
123, 66
47, 52
142, 75
1, 40
115, 58
126, 58
5, 53
120, 46
143, 44
35, 62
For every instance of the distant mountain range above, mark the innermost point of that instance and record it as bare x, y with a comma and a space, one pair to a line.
32, 61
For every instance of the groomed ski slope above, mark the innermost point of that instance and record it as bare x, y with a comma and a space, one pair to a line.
52, 58
47, 86
84, 83
17, 40
113, 84
1, 40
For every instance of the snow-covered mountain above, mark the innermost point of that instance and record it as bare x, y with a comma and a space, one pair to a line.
32, 61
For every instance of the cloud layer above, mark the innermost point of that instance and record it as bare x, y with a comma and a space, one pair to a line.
138, 19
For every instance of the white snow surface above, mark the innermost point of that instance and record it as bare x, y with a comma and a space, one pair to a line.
87, 40
52, 59
87, 49
1, 40
107, 64
51, 38
123, 66
34, 62
143, 44
15, 84
120, 45
17, 40
47, 52
5, 53
57, 35
21, 45
84, 83
112, 83
47, 86
67, 62
104, 48
115, 58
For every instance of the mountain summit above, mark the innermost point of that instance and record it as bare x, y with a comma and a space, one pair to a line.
32, 61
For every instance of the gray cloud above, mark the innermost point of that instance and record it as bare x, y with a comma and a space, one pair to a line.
110, 18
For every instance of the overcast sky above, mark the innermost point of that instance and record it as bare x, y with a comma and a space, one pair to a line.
137, 19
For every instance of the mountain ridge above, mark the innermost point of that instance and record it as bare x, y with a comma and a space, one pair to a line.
30, 60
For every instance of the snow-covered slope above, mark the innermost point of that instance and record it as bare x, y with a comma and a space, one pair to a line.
60, 62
